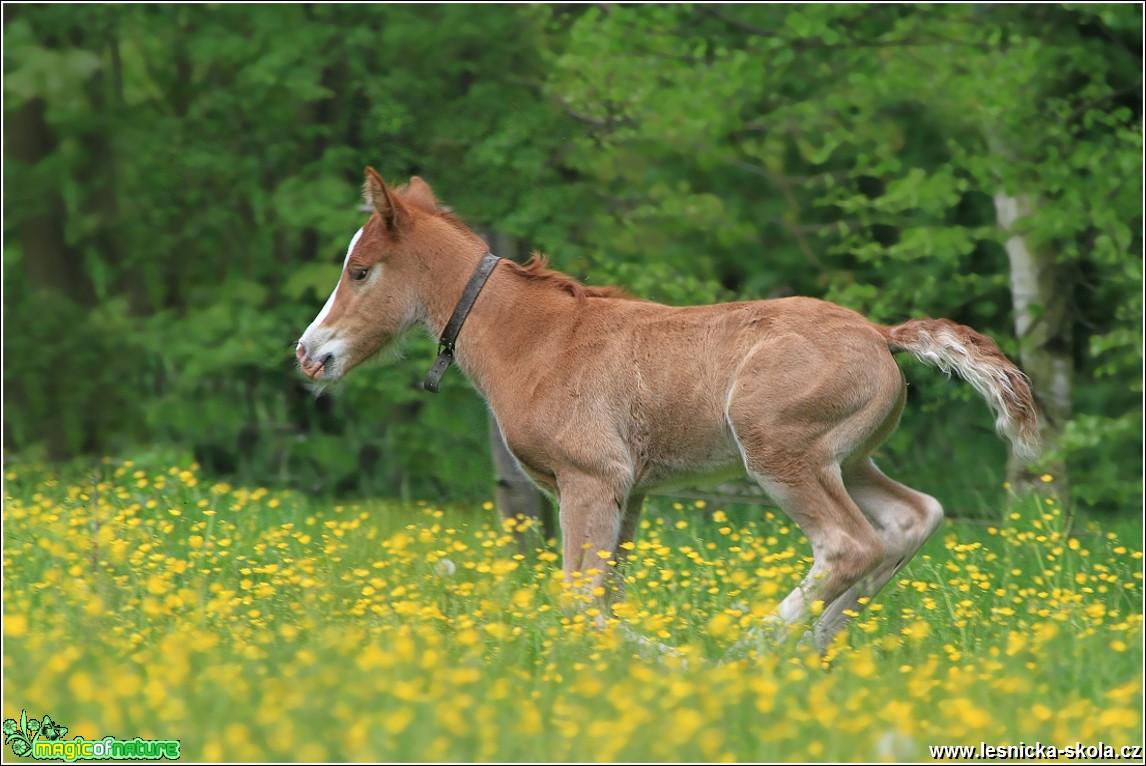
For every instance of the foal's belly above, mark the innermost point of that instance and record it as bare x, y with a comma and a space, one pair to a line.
668, 478
714, 459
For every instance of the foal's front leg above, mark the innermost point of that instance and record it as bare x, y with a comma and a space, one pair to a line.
590, 529
630, 522
593, 529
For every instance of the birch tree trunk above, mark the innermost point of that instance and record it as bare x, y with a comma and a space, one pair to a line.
1042, 323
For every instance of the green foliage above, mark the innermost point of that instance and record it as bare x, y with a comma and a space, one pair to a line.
181, 184
230, 147
854, 152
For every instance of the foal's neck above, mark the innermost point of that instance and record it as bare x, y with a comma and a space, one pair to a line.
444, 277
506, 331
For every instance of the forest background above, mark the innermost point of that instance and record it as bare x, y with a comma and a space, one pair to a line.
181, 181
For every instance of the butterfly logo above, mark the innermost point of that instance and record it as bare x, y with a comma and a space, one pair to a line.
20, 735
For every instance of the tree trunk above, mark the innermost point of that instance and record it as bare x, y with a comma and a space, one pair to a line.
105, 91
517, 495
1042, 323
51, 263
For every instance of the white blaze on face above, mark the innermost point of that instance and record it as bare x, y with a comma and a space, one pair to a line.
318, 345
330, 301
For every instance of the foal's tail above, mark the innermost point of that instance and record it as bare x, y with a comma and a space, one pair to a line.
977, 360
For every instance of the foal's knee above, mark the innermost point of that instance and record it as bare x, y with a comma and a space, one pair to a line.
917, 522
930, 517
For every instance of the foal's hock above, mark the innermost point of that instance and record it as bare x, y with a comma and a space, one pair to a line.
601, 397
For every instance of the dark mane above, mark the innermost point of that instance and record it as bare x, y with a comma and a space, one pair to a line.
537, 269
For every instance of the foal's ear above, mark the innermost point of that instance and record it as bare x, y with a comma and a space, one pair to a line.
419, 193
382, 198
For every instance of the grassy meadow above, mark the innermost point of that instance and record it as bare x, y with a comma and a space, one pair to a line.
144, 600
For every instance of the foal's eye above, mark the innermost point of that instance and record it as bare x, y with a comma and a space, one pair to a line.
358, 274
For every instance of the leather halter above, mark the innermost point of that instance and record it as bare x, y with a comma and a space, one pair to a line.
449, 337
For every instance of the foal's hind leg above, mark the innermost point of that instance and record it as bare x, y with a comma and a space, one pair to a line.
797, 413
845, 547
904, 519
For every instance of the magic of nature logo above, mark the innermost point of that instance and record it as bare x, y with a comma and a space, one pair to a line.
44, 739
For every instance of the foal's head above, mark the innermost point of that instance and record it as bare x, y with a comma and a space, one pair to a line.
376, 298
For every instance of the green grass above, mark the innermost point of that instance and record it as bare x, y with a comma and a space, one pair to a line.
257, 625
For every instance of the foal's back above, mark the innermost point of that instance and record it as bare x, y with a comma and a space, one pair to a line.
680, 390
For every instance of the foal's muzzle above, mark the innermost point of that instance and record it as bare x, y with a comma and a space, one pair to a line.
311, 368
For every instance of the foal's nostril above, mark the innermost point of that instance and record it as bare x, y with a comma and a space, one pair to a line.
325, 360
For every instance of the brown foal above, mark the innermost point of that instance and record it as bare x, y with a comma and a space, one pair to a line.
601, 397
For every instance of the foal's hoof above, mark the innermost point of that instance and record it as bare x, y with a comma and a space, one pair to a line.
808, 641
772, 633
650, 648
771, 636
